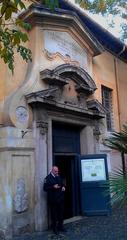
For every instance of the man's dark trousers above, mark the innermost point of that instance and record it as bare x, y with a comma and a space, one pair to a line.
57, 210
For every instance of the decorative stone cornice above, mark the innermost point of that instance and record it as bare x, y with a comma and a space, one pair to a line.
43, 94
49, 77
54, 105
61, 75
96, 107
83, 88
38, 14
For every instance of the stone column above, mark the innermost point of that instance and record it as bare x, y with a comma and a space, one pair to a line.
41, 129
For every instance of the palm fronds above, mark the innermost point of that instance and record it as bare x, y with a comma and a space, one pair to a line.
117, 182
118, 140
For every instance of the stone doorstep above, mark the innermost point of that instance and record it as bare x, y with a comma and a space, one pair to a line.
73, 219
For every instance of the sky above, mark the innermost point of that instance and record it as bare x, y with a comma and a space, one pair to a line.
116, 30
105, 22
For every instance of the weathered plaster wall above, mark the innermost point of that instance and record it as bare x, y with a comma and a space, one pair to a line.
104, 74
122, 89
111, 72
16, 181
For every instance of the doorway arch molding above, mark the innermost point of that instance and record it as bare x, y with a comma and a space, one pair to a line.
63, 73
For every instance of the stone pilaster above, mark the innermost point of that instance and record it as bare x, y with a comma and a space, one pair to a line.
41, 128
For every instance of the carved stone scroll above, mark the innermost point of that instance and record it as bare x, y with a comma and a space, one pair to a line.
96, 130
43, 126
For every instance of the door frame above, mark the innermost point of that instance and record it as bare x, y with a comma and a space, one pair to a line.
76, 206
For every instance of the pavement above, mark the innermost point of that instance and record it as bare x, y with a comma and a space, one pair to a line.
111, 227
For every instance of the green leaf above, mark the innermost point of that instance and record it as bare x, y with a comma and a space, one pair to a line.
3, 8
25, 53
26, 26
8, 13
22, 5
23, 37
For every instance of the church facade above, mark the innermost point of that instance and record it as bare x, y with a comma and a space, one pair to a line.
61, 105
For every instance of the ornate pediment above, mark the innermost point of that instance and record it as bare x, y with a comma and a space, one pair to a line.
51, 78
96, 107
41, 96
61, 75
68, 89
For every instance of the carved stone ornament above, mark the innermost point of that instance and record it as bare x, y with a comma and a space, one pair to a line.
61, 75
97, 107
43, 127
21, 197
47, 94
67, 59
70, 88
96, 130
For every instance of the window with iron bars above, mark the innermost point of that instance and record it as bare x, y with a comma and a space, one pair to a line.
107, 103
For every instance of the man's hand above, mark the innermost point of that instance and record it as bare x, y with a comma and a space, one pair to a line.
56, 186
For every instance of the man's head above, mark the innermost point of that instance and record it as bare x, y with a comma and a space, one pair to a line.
55, 170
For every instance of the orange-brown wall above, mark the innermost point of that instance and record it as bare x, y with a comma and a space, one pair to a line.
122, 87
105, 73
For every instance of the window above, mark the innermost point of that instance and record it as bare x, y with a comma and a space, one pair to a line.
107, 103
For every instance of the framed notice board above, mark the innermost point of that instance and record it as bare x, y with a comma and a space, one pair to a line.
94, 195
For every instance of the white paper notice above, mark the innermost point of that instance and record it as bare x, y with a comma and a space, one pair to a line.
93, 169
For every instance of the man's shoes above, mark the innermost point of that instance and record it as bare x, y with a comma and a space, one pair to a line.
55, 231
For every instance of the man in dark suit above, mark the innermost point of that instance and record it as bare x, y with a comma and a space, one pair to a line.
55, 189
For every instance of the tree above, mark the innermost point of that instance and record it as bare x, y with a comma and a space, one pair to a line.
118, 179
12, 34
108, 8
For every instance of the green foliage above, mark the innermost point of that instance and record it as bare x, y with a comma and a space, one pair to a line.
108, 8
124, 31
12, 34
104, 6
51, 3
118, 179
117, 184
118, 140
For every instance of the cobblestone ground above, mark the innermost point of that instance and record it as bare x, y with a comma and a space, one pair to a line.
113, 227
